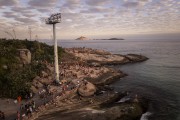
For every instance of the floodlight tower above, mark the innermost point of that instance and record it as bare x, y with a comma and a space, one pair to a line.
53, 19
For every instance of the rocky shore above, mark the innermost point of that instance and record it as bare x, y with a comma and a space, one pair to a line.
84, 90
101, 57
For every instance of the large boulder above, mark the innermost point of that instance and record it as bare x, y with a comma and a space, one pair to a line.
25, 56
86, 89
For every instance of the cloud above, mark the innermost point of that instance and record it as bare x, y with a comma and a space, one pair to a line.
42, 3
93, 17
8, 2
43, 6
25, 20
29, 15
144, 0
43, 10
97, 10
70, 6
72, 2
130, 4
22, 11
9, 14
97, 2
135, 4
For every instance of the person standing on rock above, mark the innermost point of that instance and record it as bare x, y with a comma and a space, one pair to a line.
33, 104
19, 99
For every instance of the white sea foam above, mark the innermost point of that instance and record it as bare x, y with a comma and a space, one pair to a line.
145, 116
124, 99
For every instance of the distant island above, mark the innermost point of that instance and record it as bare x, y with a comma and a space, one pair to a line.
115, 39
111, 39
82, 38
85, 38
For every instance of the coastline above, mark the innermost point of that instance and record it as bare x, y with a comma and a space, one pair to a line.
96, 61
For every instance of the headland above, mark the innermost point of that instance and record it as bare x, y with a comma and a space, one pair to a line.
84, 91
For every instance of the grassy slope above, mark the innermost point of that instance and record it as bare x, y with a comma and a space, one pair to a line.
16, 80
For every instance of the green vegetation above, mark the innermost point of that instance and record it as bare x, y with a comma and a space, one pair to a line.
15, 78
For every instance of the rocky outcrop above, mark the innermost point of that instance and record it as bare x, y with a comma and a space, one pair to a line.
101, 57
25, 56
135, 57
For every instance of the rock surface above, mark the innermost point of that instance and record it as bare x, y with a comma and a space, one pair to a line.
97, 57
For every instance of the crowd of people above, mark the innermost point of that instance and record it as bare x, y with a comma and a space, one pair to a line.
79, 70
26, 110
86, 50
49, 97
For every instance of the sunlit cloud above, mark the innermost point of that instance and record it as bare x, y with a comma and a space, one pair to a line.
8, 2
92, 18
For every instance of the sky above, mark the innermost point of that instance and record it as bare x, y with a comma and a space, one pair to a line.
91, 18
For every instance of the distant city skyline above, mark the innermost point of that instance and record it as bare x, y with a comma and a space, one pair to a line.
91, 18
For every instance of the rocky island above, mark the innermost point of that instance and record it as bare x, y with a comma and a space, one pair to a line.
111, 39
116, 39
82, 38
83, 93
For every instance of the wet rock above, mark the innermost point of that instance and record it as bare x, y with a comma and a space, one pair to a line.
124, 111
136, 58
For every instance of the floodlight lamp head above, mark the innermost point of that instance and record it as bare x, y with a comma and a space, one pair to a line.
54, 18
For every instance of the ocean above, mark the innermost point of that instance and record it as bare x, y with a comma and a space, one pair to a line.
157, 79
